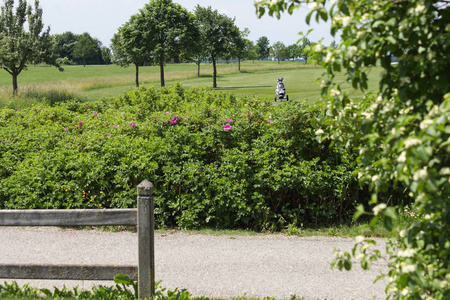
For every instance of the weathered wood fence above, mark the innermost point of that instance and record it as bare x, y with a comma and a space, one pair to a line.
143, 217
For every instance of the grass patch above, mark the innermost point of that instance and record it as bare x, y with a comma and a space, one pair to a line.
255, 78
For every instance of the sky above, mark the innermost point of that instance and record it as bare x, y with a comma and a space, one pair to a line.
102, 18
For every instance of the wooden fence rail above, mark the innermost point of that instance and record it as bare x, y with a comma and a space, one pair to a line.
143, 217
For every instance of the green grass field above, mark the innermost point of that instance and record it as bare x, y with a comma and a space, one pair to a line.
255, 78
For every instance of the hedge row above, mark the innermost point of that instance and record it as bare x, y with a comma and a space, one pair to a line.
216, 161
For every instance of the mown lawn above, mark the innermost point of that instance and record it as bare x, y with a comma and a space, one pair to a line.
255, 78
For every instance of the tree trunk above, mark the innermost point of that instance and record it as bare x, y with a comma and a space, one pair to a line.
214, 72
239, 64
161, 69
137, 75
198, 69
15, 87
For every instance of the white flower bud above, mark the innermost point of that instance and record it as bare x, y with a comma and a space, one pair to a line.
402, 157
380, 207
313, 5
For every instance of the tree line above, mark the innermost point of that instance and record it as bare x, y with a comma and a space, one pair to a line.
159, 33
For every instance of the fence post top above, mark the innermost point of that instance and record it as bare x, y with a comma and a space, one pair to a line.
145, 188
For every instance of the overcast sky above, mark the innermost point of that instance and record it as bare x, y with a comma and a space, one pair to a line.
101, 18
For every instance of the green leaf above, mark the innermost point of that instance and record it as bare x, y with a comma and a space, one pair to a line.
359, 212
348, 265
374, 222
308, 17
123, 279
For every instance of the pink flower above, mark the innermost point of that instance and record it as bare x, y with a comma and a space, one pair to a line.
81, 123
133, 124
65, 128
107, 134
229, 120
115, 126
174, 120
167, 112
227, 127
95, 114
269, 121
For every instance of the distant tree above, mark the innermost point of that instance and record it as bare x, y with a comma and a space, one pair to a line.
250, 50
334, 45
279, 51
254, 53
294, 51
263, 47
240, 47
86, 48
200, 53
168, 31
219, 34
65, 43
106, 55
19, 47
128, 46
305, 43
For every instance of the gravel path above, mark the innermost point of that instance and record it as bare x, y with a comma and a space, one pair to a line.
214, 266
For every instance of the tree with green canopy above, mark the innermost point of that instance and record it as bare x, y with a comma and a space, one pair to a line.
86, 48
64, 44
263, 47
106, 55
242, 47
128, 47
161, 30
18, 46
294, 51
219, 35
402, 131
279, 51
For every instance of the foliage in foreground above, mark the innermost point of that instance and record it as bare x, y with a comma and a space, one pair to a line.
120, 291
403, 132
215, 161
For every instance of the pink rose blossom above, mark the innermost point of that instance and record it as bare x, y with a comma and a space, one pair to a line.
133, 124
174, 120
115, 126
95, 114
227, 127
81, 123
269, 121
229, 120
167, 112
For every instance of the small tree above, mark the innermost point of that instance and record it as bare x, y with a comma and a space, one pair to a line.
263, 47
64, 44
128, 48
241, 47
19, 47
304, 49
169, 31
218, 33
85, 48
279, 51
106, 55
293, 51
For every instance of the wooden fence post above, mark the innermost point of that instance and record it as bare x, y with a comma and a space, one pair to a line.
146, 240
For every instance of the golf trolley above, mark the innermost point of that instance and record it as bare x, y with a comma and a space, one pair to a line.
280, 90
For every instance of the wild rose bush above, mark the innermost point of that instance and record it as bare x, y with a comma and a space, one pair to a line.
216, 161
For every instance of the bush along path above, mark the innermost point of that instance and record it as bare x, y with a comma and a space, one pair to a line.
216, 161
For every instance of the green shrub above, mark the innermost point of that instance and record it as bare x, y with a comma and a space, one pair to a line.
265, 172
